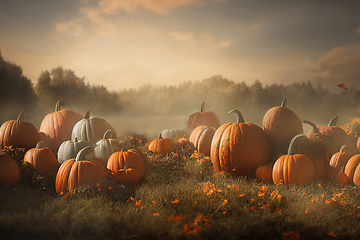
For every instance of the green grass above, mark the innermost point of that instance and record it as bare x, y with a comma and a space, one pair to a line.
176, 197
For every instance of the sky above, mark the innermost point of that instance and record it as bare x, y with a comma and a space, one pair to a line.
128, 43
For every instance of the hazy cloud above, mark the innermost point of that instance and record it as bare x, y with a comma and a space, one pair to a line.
182, 36
156, 6
93, 14
72, 28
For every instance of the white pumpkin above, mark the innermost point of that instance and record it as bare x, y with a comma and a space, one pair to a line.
105, 147
69, 149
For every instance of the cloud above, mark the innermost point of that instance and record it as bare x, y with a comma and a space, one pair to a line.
183, 36
156, 6
340, 65
93, 14
72, 28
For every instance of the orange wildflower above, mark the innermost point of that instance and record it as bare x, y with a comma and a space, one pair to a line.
138, 203
264, 188
261, 194
176, 202
156, 214
274, 193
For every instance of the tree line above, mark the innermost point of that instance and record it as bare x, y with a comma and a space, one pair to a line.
308, 101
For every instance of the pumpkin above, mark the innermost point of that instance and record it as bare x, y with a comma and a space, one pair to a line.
69, 149
56, 127
77, 172
127, 175
293, 168
172, 133
9, 170
264, 173
161, 145
19, 133
342, 178
182, 142
42, 159
91, 129
358, 144
105, 147
201, 138
239, 148
340, 158
351, 167
130, 158
207, 118
281, 123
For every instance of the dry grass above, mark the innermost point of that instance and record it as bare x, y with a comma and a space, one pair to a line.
178, 200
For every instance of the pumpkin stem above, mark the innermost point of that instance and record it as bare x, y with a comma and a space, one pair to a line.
342, 148
58, 105
283, 104
126, 166
294, 141
240, 118
107, 134
160, 136
202, 107
76, 139
315, 129
21, 115
87, 115
40, 145
80, 155
333, 121
124, 147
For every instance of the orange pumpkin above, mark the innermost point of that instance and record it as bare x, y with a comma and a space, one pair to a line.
264, 173
127, 175
342, 178
239, 148
76, 172
9, 170
207, 118
130, 158
56, 127
161, 145
281, 123
42, 159
201, 138
293, 168
351, 169
340, 158
19, 133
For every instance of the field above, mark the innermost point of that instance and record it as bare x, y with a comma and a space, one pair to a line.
179, 199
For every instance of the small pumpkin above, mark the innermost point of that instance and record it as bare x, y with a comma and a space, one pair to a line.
9, 170
92, 129
127, 175
77, 172
130, 158
69, 149
342, 178
19, 133
42, 159
281, 123
207, 118
105, 147
56, 127
161, 145
293, 168
340, 158
201, 138
264, 173
239, 148
172, 133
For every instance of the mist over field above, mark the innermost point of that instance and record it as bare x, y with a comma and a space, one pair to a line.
150, 109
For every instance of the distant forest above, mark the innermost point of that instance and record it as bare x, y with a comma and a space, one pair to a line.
221, 95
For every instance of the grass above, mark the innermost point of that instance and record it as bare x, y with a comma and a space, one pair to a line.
179, 199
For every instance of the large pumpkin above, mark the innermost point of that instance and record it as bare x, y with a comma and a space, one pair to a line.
281, 123
130, 158
207, 118
69, 149
42, 159
161, 145
293, 168
105, 147
352, 169
92, 129
19, 133
74, 173
201, 138
56, 127
239, 148
9, 170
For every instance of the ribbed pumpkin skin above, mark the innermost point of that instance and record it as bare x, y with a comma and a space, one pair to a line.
264, 173
207, 118
92, 129
69, 149
293, 169
339, 159
351, 166
201, 138
356, 177
9, 170
162, 146
131, 157
358, 144
239, 148
42, 159
19, 133
281, 124
57, 127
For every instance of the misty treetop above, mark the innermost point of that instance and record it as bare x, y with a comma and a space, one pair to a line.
221, 95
